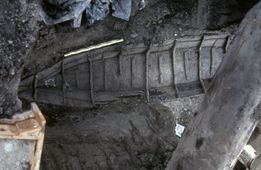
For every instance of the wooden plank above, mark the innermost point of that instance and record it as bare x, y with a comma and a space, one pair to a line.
91, 82
38, 151
63, 81
23, 126
147, 73
77, 81
186, 63
138, 71
132, 71
120, 62
211, 59
226, 44
104, 74
229, 40
17, 117
173, 67
112, 95
160, 63
38, 115
199, 64
125, 76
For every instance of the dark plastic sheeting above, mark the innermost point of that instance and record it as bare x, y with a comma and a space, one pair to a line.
58, 11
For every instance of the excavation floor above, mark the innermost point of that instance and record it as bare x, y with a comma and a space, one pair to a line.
127, 134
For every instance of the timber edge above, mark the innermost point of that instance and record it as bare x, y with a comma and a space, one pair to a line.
29, 125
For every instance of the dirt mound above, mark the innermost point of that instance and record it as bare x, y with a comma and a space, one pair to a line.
18, 21
123, 135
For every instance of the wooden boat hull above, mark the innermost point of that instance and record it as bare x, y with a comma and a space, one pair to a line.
184, 66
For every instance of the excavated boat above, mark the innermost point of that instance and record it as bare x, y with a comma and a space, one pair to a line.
179, 67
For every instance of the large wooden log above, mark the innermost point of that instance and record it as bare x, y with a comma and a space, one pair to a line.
215, 138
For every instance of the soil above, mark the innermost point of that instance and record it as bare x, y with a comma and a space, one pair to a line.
128, 134
158, 21
18, 30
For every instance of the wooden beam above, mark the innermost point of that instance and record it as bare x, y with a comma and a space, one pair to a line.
225, 122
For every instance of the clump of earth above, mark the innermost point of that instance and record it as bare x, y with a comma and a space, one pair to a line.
128, 134
18, 20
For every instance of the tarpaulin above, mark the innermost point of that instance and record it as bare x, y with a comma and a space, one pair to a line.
58, 11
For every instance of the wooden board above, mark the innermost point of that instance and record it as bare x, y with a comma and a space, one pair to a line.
104, 75
24, 128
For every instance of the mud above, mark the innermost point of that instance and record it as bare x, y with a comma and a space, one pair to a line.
96, 138
129, 134
120, 135
226, 12
17, 32
158, 21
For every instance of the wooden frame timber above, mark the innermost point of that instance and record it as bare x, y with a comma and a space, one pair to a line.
183, 65
27, 126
